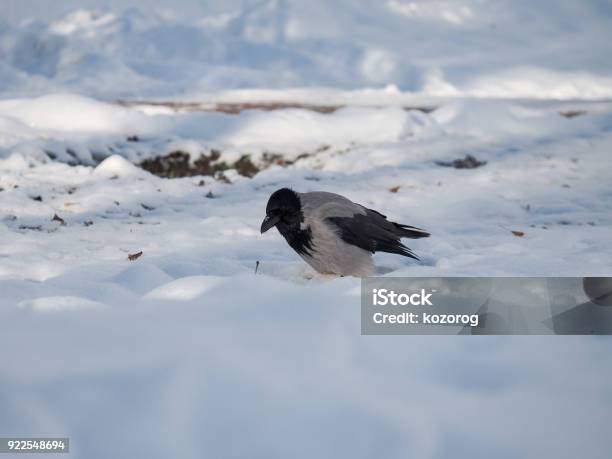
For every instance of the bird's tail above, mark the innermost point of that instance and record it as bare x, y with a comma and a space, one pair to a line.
411, 232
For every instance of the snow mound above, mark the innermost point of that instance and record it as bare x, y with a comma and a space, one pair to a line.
141, 277
303, 127
116, 166
184, 289
58, 303
72, 113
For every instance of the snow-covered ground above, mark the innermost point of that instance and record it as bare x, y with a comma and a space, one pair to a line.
546, 175
155, 48
184, 351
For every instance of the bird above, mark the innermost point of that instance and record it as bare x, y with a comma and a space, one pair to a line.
333, 234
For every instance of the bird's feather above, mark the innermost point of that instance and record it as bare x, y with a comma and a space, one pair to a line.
322, 205
359, 226
373, 232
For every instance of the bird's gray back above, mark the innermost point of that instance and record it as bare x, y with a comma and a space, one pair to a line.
321, 204
356, 225
331, 254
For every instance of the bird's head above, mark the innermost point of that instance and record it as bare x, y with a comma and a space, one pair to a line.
283, 210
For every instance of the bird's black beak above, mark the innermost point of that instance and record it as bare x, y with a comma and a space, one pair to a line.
268, 223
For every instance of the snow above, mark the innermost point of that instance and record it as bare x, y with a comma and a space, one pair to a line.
113, 49
70, 113
289, 127
185, 351
58, 303
116, 166
187, 345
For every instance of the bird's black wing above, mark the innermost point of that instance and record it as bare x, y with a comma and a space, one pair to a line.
373, 232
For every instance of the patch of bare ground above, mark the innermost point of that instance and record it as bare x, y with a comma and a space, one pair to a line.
572, 113
234, 108
469, 162
180, 164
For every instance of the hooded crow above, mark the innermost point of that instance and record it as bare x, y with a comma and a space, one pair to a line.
333, 234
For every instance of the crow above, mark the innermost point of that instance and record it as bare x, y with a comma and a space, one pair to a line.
333, 234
